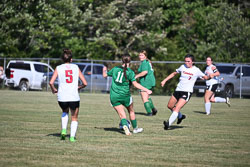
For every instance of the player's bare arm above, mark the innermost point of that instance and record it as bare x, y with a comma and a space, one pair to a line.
168, 78
138, 86
142, 74
51, 82
82, 78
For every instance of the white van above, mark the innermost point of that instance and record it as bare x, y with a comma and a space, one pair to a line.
26, 75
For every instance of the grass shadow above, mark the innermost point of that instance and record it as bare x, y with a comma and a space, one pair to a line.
141, 113
173, 127
112, 129
56, 135
199, 112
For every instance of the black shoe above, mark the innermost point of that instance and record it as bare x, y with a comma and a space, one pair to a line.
180, 120
154, 111
166, 125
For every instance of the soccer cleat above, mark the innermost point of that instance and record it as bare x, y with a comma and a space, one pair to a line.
154, 111
137, 130
180, 119
126, 130
72, 139
63, 134
228, 101
166, 125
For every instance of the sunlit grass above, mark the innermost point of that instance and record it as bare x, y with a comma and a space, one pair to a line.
30, 128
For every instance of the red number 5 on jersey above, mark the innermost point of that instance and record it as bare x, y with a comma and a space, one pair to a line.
68, 73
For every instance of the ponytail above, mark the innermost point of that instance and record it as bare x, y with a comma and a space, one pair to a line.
125, 60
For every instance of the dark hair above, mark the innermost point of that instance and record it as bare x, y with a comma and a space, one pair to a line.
67, 55
126, 59
209, 57
190, 56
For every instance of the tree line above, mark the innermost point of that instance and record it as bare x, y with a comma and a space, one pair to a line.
167, 29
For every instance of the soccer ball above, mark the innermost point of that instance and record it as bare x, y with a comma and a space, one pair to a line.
129, 125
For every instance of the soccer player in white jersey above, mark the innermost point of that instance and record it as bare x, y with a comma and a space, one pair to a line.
212, 85
189, 74
67, 93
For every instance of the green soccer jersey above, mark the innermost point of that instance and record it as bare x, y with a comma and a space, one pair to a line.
120, 85
148, 80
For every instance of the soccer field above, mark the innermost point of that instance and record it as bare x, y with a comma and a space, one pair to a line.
30, 133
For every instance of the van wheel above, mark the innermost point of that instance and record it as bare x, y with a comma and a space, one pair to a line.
24, 86
229, 91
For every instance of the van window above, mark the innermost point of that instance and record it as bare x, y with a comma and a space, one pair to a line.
22, 66
246, 71
225, 69
97, 70
81, 66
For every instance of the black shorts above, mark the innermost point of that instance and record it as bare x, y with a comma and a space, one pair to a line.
184, 95
212, 87
70, 104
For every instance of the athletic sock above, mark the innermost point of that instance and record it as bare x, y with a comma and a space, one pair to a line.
151, 103
65, 118
147, 107
179, 115
124, 122
220, 100
73, 128
173, 117
208, 107
134, 123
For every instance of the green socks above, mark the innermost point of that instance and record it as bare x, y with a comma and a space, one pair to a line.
147, 106
134, 123
151, 103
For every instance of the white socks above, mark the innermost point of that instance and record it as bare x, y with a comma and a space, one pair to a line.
208, 107
220, 100
65, 118
173, 117
73, 128
179, 115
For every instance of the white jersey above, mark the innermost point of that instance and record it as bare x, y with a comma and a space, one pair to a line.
210, 71
68, 75
188, 78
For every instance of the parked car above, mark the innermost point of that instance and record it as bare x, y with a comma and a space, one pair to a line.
26, 75
92, 74
231, 80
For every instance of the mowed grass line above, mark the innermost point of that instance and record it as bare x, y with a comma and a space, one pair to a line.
30, 133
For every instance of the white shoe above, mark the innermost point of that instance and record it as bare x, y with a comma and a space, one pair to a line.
126, 130
137, 130
207, 113
228, 102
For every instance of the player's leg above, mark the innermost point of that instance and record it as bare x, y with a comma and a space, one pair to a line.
146, 102
120, 111
154, 110
74, 108
171, 106
133, 120
209, 95
181, 102
64, 118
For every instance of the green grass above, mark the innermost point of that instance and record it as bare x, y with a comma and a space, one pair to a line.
30, 128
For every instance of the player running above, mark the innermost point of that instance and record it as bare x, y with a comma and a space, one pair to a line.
67, 93
212, 85
182, 94
120, 96
147, 79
